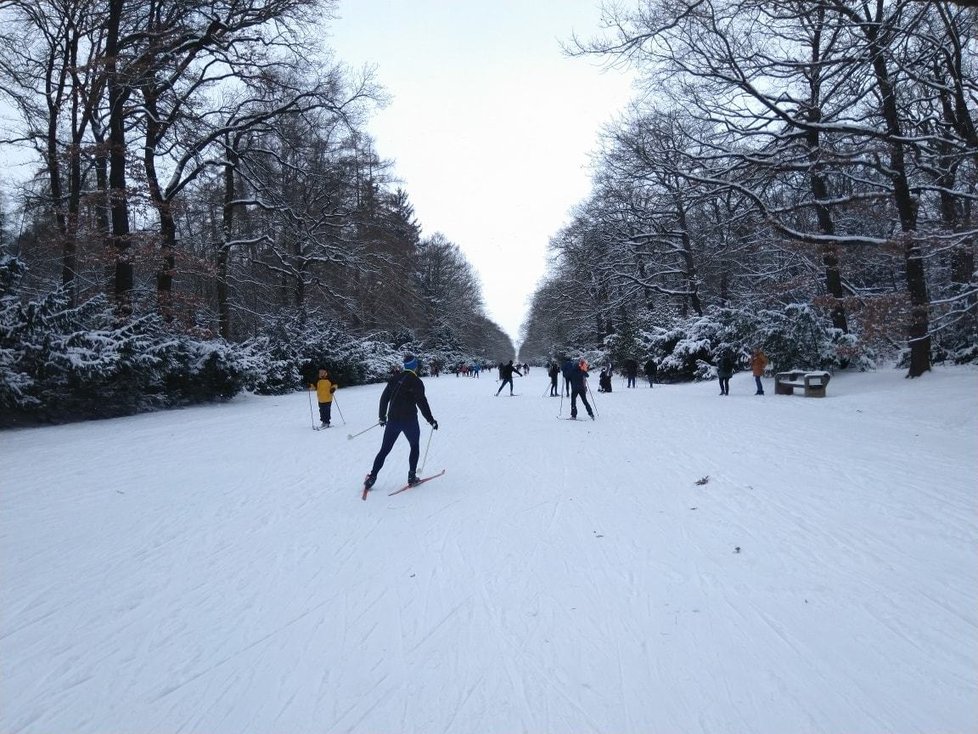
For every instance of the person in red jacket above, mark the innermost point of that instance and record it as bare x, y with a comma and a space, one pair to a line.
399, 405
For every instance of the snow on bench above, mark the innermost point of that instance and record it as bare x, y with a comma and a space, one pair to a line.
812, 382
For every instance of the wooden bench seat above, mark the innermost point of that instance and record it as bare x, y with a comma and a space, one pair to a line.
812, 382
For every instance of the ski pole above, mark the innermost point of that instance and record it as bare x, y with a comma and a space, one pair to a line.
311, 416
593, 401
337, 404
354, 435
424, 459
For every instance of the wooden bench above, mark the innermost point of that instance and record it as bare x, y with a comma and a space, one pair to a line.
813, 383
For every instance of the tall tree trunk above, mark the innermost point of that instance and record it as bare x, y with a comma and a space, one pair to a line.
818, 182
118, 196
54, 91
829, 253
224, 251
163, 206
919, 327
102, 218
957, 115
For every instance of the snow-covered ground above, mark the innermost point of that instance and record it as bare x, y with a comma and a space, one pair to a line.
214, 570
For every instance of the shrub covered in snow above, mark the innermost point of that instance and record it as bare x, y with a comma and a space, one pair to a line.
796, 336
60, 363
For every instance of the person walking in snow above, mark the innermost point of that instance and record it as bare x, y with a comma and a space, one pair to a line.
650, 370
758, 361
576, 376
631, 372
324, 388
725, 368
506, 375
399, 405
553, 371
604, 380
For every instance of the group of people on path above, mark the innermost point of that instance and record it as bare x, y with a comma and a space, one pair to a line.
404, 396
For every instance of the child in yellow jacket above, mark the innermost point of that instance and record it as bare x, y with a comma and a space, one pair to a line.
324, 394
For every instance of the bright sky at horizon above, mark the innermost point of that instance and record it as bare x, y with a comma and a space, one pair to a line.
490, 125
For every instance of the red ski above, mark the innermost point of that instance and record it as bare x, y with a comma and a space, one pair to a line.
420, 481
365, 488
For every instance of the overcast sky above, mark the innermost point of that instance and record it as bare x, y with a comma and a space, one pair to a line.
489, 126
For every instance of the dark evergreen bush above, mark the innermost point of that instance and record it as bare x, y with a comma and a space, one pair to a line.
60, 363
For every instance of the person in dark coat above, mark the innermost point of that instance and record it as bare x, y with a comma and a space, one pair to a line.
650, 370
553, 372
604, 380
399, 405
631, 371
575, 375
506, 374
725, 368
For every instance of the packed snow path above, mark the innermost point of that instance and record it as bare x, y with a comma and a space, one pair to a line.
214, 570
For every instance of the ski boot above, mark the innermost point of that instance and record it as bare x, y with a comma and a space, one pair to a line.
413, 479
368, 481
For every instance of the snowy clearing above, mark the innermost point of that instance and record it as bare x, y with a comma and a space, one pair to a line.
214, 570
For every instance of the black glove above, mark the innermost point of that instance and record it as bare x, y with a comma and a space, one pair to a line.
383, 421
434, 425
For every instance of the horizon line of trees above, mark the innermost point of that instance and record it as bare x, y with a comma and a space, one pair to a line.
779, 154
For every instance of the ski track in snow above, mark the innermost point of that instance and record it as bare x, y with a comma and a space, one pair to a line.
214, 570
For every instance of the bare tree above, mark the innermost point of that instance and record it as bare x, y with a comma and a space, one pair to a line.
51, 72
800, 88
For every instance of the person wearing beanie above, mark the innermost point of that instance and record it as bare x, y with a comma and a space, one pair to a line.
400, 402
324, 388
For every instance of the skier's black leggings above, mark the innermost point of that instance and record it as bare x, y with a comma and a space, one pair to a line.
411, 431
575, 393
505, 380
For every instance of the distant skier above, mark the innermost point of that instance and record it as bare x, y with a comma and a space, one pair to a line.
604, 380
399, 405
324, 396
576, 374
506, 375
553, 371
